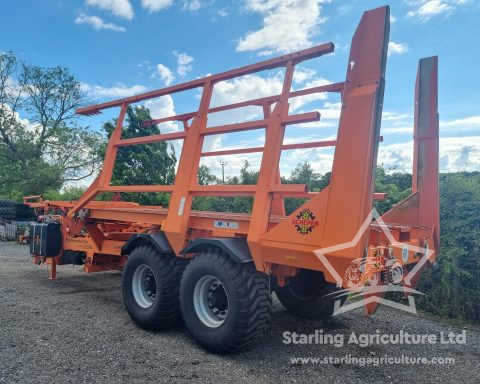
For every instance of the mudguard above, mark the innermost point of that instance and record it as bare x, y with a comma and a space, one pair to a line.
158, 240
236, 249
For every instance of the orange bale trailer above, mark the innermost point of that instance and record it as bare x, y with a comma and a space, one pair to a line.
217, 270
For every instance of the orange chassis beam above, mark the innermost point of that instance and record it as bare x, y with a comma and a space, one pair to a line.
279, 244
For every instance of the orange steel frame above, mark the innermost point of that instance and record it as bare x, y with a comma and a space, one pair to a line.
101, 228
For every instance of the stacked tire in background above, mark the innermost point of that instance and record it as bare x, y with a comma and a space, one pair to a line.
8, 209
11, 210
14, 220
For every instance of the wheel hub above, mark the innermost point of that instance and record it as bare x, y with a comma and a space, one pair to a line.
144, 286
210, 301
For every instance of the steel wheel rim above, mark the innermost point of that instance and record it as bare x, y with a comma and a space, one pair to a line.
144, 286
210, 301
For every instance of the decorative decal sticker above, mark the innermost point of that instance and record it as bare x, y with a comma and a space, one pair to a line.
305, 221
226, 224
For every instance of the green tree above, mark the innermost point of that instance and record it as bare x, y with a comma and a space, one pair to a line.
205, 176
148, 164
42, 146
238, 204
303, 174
452, 287
247, 177
68, 193
396, 185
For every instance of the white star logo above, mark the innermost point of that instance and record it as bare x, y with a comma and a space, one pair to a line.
338, 308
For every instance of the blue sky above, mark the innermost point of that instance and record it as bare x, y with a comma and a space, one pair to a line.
117, 48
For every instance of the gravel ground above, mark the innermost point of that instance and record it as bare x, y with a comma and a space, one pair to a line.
75, 329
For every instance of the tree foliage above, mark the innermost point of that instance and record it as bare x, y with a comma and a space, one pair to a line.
452, 288
397, 185
148, 164
303, 173
69, 193
205, 176
226, 204
42, 146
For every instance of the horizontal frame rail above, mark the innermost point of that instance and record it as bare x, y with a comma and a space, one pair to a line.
237, 127
300, 118
285, 147
150, 139
137, 188
296, 57
313, 144
208, 189
334, 87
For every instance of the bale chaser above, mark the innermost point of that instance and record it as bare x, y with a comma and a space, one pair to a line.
217, 270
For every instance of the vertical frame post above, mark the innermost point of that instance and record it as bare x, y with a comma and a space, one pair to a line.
425, 155
278, 203
422, 206
350, 196
112, 149
269, 169
175, 226
108, 164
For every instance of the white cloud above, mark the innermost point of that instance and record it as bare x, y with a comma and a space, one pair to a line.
456, 154
301, 79
344, 9
396, 123
331, 110
241, 89
393, 19
165, 74
163, 107
321, 159
466, 122
397, 48
120, 8
97, 23
245, 88
329, 116
255, 86
156, 5
398, 156
460, 154
191, 5
288, 25
222, 12
394, 116
400, 123
301, 75
7, 115
183, 62
398, 130
145, 64
426, 9
117, 91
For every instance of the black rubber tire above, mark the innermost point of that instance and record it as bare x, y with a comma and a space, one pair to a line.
7, 211
7, 203
304, 295
165, 312
249, 302
23, 210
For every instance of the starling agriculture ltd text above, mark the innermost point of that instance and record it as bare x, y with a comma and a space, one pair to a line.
377, 338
